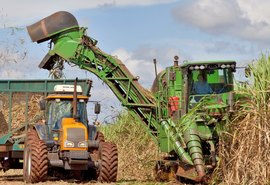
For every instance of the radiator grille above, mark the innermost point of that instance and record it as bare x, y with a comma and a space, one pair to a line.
75, 135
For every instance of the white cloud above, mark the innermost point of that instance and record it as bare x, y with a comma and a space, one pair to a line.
122, 54
142, 68
140, 61
255, 10
11, 73
15, 66
15, 13
227, 47
164, 55
247, 19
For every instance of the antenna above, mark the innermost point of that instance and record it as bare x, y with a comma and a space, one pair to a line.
75, 116
176, 61
155, 64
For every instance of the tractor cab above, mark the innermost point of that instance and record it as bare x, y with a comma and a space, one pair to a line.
60, 105
209, 81
63, 125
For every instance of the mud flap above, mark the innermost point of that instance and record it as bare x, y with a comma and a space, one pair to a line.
47, 62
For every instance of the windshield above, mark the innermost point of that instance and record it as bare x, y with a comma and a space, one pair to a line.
210, 81
58, 109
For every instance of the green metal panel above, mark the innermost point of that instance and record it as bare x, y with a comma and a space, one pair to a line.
38, 86
5, 138
187, 63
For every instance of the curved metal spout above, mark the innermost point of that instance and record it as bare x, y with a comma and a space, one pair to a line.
46, 28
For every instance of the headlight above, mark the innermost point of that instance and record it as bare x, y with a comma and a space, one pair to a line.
83, 144
202, 67
69, 144
55, 136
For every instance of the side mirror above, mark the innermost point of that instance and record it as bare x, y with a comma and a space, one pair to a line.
42, 104
97, 108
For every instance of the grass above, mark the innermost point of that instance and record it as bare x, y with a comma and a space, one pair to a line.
136, 151
245, 149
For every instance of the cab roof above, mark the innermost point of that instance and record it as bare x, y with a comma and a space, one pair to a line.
189, 63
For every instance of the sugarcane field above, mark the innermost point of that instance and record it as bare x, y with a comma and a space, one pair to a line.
148, 92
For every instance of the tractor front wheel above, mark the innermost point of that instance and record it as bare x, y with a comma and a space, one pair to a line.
109, 162
35, 162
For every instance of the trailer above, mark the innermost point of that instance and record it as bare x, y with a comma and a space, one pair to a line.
19, 110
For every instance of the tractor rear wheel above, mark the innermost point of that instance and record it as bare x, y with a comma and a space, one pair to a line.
35, 162
109, 162
100, 137
31, 136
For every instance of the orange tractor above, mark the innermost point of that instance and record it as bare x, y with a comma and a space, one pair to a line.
65, 144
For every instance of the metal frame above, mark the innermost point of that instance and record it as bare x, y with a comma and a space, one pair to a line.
43, 87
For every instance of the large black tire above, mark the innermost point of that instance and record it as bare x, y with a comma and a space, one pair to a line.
35, 162
30, 137
109, 162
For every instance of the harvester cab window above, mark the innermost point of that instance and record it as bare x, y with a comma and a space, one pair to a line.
221, 80
209, 81
214, 81
201, 85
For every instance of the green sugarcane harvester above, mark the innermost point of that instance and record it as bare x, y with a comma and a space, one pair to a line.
189, 135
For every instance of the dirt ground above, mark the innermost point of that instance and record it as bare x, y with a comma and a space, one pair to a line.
15, 177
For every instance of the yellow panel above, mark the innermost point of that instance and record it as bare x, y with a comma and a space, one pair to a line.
71, 123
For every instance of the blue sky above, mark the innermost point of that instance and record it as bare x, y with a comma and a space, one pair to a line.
136, 31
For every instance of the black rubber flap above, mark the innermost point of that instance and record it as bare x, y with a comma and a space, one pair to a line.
47, 62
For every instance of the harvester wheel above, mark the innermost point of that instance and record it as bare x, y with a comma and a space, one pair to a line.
109, 162
35, 162
100, 137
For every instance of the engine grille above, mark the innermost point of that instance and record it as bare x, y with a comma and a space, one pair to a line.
75, 135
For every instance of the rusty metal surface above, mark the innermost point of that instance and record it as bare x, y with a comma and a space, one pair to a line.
43, 29
188, 172
165, 171
5, 148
